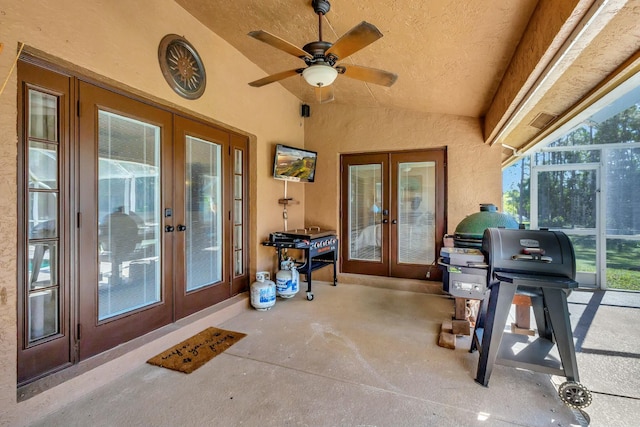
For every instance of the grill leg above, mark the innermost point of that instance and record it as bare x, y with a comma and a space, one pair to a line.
544, 330
556, 302
500, 298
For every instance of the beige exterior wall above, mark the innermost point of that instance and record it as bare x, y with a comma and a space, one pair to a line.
473, 168
117, 41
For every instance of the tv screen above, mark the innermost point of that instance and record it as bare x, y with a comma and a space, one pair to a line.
294, 164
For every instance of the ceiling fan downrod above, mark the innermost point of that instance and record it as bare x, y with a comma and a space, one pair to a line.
321, 7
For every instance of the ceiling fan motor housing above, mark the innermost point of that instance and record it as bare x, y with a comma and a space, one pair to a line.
321, 6
317, 50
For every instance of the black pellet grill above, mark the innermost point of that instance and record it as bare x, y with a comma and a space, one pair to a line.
540, 264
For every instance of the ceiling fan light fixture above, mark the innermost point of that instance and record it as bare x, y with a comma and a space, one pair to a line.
320, 75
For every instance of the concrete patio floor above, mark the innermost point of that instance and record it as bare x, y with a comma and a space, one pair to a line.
357, 356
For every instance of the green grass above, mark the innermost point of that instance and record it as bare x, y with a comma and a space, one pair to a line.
623, 261
623, 279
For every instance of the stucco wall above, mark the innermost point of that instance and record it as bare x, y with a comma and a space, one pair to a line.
473, 170
119, 40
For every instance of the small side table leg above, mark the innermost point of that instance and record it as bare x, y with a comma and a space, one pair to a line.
335, 273
309, 268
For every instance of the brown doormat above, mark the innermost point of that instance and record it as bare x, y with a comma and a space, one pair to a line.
194, 352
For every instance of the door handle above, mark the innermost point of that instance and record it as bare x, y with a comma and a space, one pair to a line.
168, 228
385, 221
181, 227
395, 221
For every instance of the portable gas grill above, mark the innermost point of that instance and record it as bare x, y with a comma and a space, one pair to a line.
540, 264
320, 250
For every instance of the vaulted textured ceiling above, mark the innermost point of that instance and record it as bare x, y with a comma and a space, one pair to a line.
472, 58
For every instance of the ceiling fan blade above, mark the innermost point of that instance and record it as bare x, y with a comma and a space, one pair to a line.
369, 75
324, 94
358, 37
279, 43
275, 77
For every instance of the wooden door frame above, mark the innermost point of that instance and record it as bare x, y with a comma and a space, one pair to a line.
375, 268
98, 336
439, 157
31, 71
386, 266
187, 303
55, 352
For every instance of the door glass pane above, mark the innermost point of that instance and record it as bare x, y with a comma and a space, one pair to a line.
416, 207
203, 240
238, 213
567, 199
43, 116
237, 237
43, 314
239, 267
237, 162
237, 187
43, 263
43, 217
129, 214
365, 212
43, 166
567, 202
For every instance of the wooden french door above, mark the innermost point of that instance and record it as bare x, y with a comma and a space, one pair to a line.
44, 310
132, 217
200, 232
163, 201
125, 210
393, 217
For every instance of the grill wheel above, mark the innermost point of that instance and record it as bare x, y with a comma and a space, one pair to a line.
574, 394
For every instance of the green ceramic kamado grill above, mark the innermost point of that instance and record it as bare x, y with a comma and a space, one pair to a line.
469, 232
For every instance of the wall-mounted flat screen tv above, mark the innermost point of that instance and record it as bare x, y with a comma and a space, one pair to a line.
294, 164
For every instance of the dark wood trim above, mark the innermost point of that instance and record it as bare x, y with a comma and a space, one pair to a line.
240, 283
375, 268
98, 336
415, 271
389, 265
79, 158
187, 303
55, 352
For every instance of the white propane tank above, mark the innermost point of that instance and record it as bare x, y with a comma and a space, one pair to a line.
287, 279
263, 291
295, 275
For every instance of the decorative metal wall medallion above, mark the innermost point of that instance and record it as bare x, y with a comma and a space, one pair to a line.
181, 66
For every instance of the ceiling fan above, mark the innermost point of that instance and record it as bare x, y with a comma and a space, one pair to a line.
321, 57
